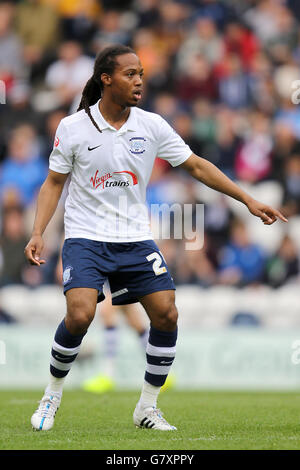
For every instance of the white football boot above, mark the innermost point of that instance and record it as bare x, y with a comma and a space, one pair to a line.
43, 418
151, 418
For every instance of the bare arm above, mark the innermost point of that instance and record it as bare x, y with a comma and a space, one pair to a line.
211, 176
47, 201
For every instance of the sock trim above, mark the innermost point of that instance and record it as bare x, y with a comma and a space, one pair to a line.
65, 351
160, 351
157, 370
59, 365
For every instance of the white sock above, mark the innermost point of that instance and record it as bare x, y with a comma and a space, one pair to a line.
149, 395
55, 384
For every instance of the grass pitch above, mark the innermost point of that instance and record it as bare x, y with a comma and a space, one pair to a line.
205, 420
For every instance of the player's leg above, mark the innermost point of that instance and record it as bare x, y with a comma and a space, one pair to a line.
144, 276
137, 323
160, 353
81, 306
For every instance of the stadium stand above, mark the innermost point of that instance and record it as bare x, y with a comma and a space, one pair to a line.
223, 74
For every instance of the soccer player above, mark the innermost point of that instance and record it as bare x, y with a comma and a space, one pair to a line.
109, 147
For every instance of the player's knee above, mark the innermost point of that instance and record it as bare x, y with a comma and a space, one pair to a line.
167, 319
79, 318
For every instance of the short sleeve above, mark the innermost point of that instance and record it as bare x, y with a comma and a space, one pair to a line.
61, 157
171, 146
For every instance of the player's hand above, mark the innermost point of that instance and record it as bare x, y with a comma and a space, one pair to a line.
266, 213
33, 250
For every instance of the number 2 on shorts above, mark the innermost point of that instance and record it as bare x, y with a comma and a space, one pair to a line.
157, 268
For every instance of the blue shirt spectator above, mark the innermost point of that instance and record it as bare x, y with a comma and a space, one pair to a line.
23, 171
241, 262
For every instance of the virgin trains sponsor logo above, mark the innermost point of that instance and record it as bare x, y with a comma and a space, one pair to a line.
116, 178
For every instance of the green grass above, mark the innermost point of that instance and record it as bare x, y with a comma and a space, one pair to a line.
205, 420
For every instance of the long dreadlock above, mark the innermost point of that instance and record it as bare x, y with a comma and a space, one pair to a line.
105, 63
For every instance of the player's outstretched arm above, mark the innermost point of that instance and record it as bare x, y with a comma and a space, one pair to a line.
211, 176
47, 201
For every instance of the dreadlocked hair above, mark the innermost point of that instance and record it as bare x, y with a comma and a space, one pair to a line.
105, 63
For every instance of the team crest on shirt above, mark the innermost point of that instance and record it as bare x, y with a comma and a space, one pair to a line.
137, 145
67, 274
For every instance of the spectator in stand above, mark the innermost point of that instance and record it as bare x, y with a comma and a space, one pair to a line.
78, 18
183, 125
13, 74
12, 242
285, 144
291, 199
234, 83
285, 40
288, 114
201, 265
166, 105
23, 170
204, 125
12, 66
148, 46
241, 262
227, 142
110, 30
220, 75
217, 221
275, 26
189, 266
148, 13
240, 41
37, 25
68, 75
263, 18
159, 78
197, 81
284, 265
262, 83
219, 12
253, 159
203, 40
172, 25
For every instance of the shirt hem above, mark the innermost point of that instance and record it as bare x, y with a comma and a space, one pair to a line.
109, 239
59, 169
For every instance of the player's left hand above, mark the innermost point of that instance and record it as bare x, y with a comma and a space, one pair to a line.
266, 213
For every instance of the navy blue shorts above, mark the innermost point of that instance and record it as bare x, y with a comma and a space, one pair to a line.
132, 269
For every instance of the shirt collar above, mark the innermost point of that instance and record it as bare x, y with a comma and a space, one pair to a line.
129, 125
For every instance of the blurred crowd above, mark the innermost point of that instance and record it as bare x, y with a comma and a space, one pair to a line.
222, 73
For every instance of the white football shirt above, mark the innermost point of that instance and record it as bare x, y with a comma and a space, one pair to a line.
110, 172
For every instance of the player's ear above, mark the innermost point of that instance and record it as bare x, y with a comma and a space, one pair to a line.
105, 79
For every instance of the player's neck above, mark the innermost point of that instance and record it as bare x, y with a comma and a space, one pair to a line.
113, 113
